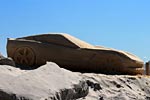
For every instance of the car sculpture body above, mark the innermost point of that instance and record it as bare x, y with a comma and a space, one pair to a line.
71, 53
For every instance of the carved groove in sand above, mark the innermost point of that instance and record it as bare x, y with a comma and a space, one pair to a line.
24, 55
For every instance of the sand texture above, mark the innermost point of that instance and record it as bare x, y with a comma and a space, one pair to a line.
50, 82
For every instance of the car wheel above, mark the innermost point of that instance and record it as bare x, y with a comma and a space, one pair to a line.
25, 56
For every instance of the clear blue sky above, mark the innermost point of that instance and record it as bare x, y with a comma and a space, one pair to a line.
119, 24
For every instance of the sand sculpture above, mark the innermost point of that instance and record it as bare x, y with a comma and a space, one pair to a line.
72, 53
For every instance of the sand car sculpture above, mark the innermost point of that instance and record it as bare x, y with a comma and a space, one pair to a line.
71, 53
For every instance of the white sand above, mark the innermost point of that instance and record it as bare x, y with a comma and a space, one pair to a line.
46, 81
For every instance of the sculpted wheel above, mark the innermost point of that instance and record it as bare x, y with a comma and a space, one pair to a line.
25, 56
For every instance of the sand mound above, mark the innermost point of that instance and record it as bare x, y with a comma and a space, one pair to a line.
50, 82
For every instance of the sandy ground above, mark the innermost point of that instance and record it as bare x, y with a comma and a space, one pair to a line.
117, 87
52, 81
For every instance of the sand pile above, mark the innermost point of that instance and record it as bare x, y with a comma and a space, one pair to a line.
6, 61
50, 82
117, 87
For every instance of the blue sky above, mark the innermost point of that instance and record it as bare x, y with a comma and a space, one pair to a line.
119, 24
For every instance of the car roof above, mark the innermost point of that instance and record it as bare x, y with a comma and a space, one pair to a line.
59, 39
